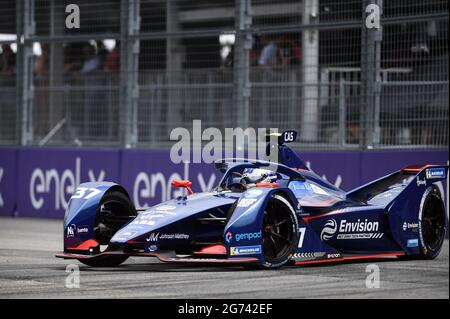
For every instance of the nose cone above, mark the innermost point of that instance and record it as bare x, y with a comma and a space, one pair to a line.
167, 213
152, 220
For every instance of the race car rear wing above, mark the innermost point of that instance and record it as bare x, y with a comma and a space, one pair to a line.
432, 174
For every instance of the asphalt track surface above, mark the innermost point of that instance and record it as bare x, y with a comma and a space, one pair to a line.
28, 269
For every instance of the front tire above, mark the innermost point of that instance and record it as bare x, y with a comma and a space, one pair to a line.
114, 211
280, 232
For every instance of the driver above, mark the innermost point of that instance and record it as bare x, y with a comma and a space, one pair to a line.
258, 175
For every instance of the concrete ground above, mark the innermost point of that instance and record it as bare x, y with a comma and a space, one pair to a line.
28, 269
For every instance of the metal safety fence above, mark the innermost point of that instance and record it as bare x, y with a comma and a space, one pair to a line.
132, 70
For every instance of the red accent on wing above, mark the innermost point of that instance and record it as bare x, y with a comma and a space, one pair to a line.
321, 203
183, 183
85, 245
308, 218
212, 250
416, 168
308, 262
267, 184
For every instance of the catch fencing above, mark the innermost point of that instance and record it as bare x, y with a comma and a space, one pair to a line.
136, 69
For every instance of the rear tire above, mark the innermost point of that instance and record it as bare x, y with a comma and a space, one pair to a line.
114, 211
432, 223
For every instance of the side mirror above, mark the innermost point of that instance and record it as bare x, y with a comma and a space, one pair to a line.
184, 184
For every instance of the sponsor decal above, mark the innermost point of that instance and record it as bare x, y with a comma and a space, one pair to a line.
242, 236
334, 256
152, 248
318, 190
435, 173
300, 187
148, 213
166, 207
351, 230
157, 236
82, 230
253, 193
152, 237
73, 230
246, 202
124, 236
328, 230
407, 226
419, 182
411, 243
245, 250
228, 237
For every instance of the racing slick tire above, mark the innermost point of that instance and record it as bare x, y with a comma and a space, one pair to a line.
115, 209
280, 232
432, 223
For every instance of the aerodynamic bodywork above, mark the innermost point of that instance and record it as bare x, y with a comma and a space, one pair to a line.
289, 216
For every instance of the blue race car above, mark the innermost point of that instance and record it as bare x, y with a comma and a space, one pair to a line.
263, 218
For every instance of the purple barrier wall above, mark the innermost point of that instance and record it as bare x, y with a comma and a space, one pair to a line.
47, 177
38, 181
8, 171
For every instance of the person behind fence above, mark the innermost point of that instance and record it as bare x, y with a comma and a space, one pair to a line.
7, 60
91, 59
288, 52
112, 59
268, 55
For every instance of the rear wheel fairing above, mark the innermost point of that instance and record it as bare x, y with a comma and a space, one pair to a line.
355, 229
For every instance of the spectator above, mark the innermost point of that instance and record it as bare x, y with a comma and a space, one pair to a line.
112, 60
288, 52
7, 60
269, 52
73, 57
102, 52
91, 60
41, 66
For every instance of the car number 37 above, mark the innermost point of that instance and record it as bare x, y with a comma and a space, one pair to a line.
85, 193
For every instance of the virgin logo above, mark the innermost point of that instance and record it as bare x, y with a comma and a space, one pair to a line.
329, 229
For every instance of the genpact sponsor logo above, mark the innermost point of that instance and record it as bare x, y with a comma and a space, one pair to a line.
248, 236
62, 185
228, 237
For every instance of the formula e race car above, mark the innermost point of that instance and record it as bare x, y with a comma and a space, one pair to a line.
263, 214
